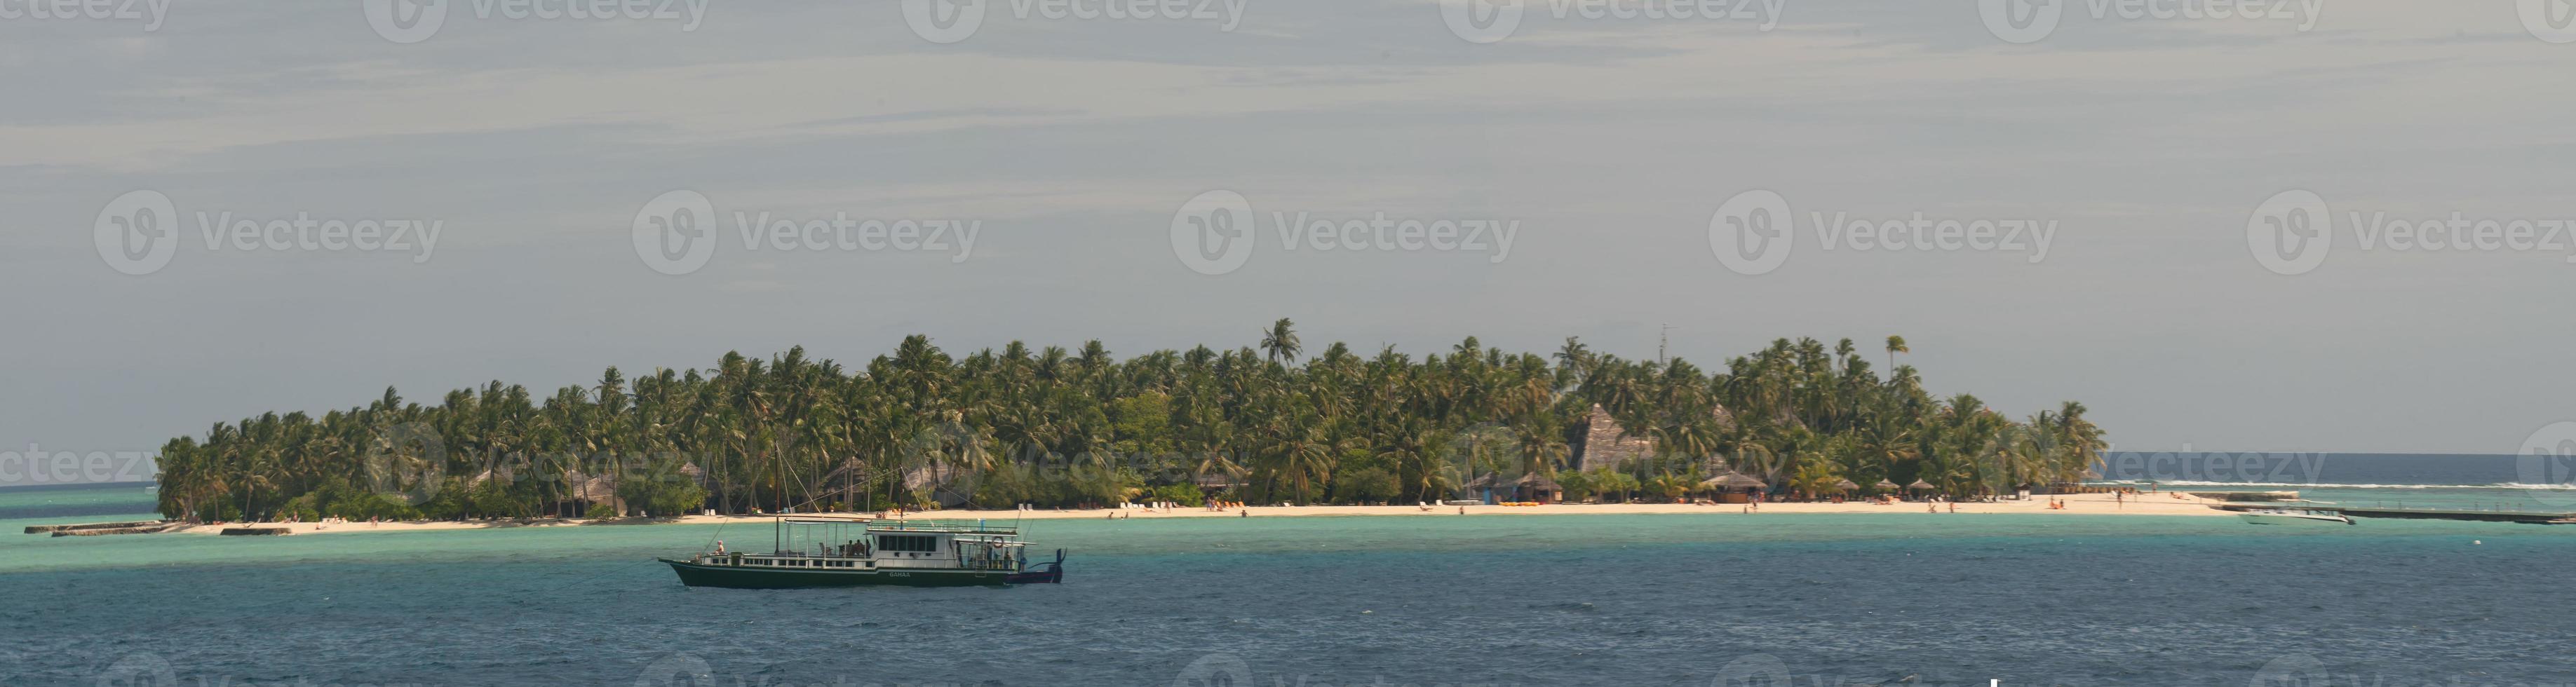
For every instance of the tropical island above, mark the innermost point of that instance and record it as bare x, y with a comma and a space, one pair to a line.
1056, 429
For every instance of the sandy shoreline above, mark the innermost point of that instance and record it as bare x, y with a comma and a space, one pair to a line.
2164, 503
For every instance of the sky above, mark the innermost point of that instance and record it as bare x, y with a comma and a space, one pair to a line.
2278, 226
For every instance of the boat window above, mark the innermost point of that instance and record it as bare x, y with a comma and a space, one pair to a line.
906, 543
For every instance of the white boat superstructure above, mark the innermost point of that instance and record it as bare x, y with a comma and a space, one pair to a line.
2279, 516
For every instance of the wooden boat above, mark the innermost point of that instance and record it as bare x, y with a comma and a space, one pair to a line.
839, 552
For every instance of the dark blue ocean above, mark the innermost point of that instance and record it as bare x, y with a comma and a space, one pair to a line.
1892, 599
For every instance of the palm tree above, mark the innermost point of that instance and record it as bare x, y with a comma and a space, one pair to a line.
1895, 345
788, 431
1280, 342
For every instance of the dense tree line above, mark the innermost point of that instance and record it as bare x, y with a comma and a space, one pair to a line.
1053, 427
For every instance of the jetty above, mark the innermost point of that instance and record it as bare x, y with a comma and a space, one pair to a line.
92, 529
2495, 515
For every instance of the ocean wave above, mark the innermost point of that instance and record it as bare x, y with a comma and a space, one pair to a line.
2328, 485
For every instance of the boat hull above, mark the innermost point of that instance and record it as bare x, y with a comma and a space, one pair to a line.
746, 577
2283, 519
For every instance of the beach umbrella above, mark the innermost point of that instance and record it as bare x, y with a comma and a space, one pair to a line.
1884, 485
1846, 485
1919, 484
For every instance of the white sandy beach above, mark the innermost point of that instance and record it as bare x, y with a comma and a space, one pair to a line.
2163, 503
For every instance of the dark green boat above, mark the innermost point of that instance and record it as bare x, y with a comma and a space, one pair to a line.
841, 552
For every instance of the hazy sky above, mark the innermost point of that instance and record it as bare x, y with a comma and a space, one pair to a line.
1092, 159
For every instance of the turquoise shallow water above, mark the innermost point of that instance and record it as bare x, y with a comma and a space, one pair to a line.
1671, 599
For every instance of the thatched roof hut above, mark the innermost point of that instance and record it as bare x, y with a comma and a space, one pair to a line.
1605, 444
591, 488
1214, 481
1883, 484
1919, 484
1845, 485
1734, 480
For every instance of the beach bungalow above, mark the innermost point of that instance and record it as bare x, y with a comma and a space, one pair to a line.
1735, 487
1530, 488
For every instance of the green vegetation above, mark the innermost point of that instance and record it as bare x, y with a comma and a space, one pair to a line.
1055, 428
